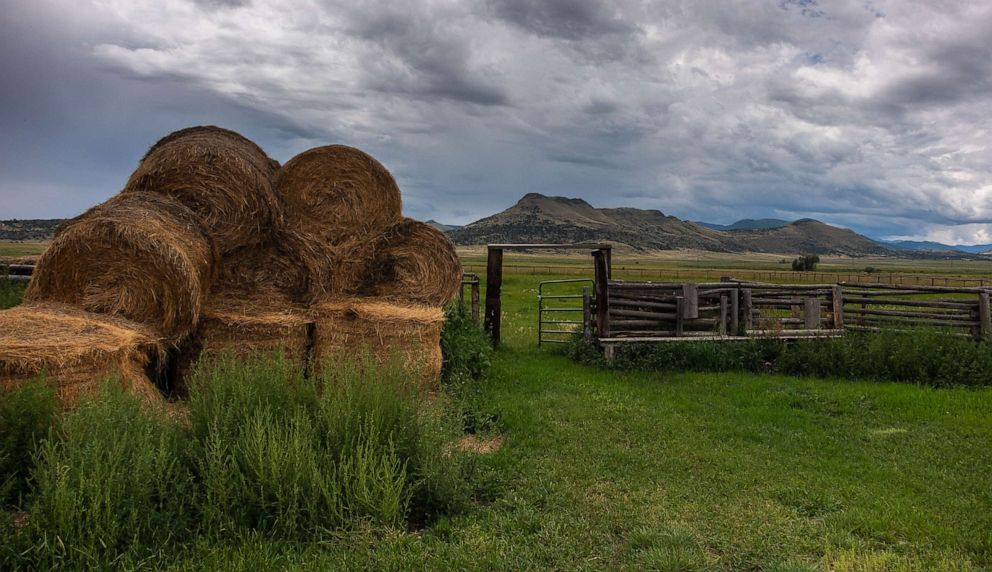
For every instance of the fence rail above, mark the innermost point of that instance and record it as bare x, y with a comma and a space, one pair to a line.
679, 274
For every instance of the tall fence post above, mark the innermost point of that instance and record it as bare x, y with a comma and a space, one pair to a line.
602, 285
811, 313
984, 316
837, 301
735, 312
494, 284
690, 292
747, 309
679, 315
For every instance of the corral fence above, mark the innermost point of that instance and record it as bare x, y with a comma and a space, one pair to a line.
16, 272
471, 281
776, 276
651, 312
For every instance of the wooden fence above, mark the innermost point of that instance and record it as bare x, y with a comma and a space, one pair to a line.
662, 312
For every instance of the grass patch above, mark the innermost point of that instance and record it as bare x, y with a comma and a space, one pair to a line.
11, 293
260, 450
924, 357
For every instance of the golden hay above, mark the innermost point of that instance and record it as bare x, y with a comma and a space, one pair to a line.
350, 327
410, 262
140, 256
282, 267
78, 351
246, 326
338, 194
221, 176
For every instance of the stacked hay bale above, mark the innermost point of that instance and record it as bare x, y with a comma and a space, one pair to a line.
381, 280
212, 248
76, 351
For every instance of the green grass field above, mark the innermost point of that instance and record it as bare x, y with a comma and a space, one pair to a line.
660, 471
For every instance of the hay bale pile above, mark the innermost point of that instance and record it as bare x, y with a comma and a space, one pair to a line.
213, 248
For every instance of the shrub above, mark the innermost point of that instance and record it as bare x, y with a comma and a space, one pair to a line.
11, 293
26, 415
292, 457
927, 357
806, 263
466, 348
110, 486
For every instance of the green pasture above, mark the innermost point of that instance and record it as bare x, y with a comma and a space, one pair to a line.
624, 470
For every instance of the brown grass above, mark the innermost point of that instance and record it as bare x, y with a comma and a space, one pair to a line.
221, 176
350, 327
77, 351
140, 256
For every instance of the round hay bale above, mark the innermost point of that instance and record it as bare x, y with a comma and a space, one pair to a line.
141, 256
349, 328
76, 351
283, 268
410, 262
248, 327
221, 176
338, 194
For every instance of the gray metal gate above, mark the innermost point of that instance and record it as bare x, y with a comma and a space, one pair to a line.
564, 312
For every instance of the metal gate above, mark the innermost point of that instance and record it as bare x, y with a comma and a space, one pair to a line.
564, 312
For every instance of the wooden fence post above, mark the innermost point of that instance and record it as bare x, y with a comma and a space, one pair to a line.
735, 313
602, 285
748, 309
690, 292
723, 314
494, 283
837, 300
679, 315
812, 313
984, 316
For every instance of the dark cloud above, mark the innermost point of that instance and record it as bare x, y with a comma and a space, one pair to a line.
566, 19
706, 109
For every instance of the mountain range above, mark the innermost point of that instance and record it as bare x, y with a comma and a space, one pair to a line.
536, 218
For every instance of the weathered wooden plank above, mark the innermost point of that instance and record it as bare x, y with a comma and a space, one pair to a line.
642, 314
961, 305
690, 295
837, 303
735, 312
984, 316
615, 301
811, 314
723, 316
679, 315
748, 308
910, 314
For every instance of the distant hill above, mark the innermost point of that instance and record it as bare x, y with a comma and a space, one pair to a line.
747, 224
29, 229
926, 245
540, 219
441, 226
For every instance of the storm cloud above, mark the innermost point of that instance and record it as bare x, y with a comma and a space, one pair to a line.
867, 114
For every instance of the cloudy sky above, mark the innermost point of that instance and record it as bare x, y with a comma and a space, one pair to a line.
874, 115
